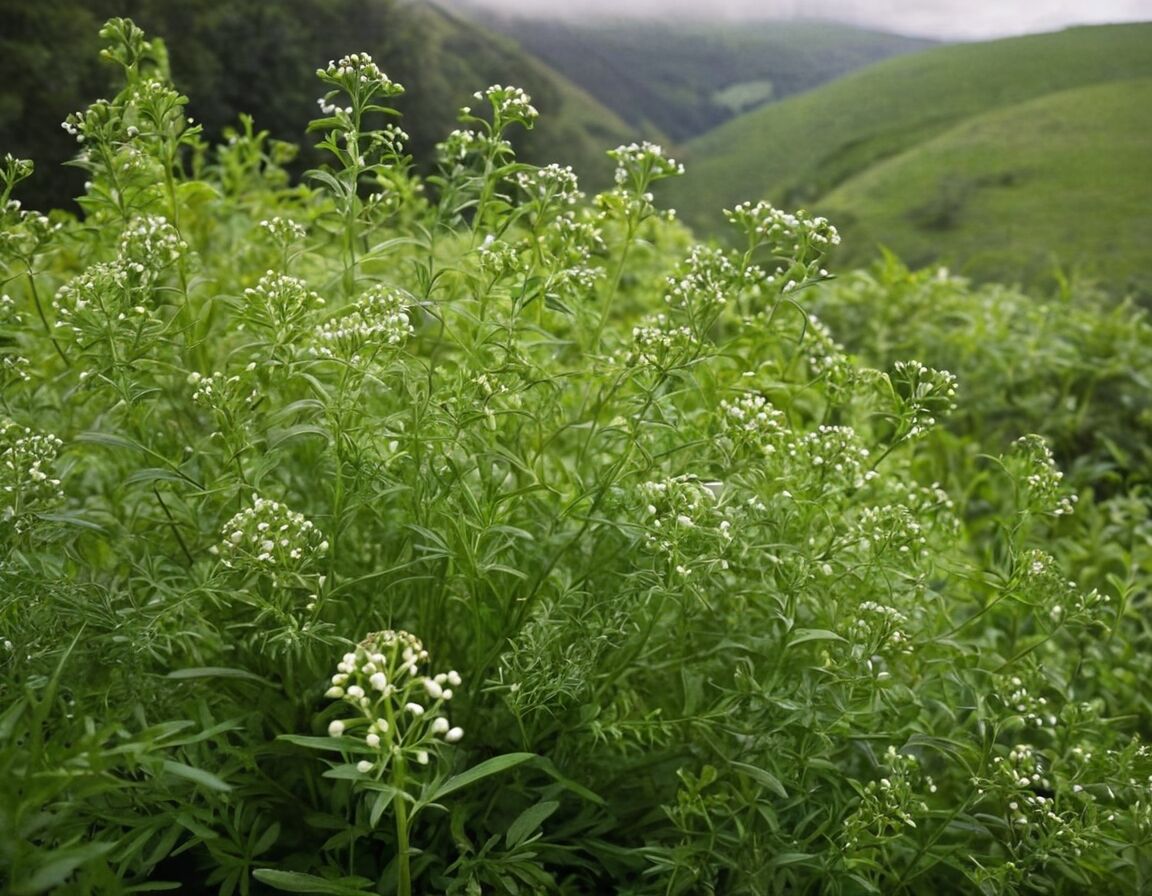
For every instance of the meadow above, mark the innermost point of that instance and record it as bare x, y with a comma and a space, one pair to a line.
460, 532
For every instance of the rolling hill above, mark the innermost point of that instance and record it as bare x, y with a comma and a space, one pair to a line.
949, 142
1018, 191
676, 79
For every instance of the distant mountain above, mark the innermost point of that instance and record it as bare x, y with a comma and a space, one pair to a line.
233, 56
995, 157
678, 79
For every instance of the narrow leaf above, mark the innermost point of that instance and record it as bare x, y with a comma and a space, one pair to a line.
488, 767
196, 776
299, 882
528, 821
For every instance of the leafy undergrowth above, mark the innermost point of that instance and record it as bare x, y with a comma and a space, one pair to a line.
467, 535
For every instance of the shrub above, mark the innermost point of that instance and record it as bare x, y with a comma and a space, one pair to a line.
631, 578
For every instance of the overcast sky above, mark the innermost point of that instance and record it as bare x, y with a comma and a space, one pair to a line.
957, 19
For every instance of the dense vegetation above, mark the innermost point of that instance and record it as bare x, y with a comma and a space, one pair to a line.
678, 79
955, 154
389, 534
250, 56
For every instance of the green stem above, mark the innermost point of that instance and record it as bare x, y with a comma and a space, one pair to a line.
43, 317
633, 227
403, 866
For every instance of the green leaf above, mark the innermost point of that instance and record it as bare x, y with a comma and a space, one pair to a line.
218, 672
763, 777
299, 882
196, 776
803, 635
337, 744
528, 821
59, 868
380, 804
791, 858
485, 769
154, 474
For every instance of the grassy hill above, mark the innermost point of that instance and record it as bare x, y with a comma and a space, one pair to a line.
678, 79
1014, 192
809, 150
233, 56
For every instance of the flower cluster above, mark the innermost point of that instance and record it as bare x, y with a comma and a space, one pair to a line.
13, 367
826, 358
220, 392
788, 234
399, 712
116, 300
107, 298
499, 258
752, 422
379, 318
923, 394
358, 76
460, 144
835, 455
889, 804
279, 303
150, 244
551, 186
1040, 481
269, 538
28, 484
879, 628
1040, 582
283, 231
706, 280
657, 343
509, 104
640, 164
683, 519
891, 527
1034, 711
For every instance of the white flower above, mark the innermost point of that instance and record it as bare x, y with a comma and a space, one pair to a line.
440, 726
336, 728
415, 708
363, 766
453, 735
373, 740
378, 680
433, 688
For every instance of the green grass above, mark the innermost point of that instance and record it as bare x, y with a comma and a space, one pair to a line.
800, 150
1063, 179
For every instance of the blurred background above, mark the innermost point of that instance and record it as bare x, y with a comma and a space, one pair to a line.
1008, 142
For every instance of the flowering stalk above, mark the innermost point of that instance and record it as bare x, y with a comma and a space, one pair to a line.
399, 713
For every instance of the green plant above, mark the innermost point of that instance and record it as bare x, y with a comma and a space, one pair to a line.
730, 610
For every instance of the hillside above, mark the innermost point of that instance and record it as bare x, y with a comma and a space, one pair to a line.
249, 56
801, 150
678, 79
1063, 178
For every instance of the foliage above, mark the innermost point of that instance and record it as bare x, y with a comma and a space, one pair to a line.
632, 578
